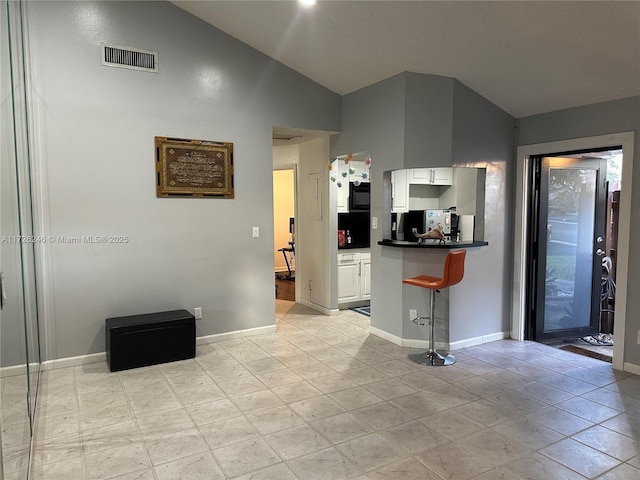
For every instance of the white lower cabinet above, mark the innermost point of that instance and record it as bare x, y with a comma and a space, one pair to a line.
354, 277
365, 278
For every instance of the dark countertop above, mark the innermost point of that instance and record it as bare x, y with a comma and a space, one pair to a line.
429, 244
353, 246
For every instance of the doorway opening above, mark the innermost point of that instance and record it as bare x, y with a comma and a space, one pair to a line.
572, 249
284, 232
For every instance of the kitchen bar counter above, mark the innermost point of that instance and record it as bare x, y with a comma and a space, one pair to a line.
430, 244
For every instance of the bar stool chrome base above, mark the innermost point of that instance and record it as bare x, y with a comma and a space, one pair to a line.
433, 358
452, 274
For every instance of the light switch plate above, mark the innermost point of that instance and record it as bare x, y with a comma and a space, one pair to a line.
374, 223
256, 232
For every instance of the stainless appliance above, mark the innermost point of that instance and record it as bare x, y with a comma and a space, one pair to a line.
425, 220
438, 217
359, 197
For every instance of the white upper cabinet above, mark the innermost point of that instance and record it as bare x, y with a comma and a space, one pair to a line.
399, 191
402, 179
431, 176
442, 176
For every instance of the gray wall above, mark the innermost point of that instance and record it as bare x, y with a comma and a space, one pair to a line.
414, 120
592, 120
483, 136
96, 127
428, 121
373, 119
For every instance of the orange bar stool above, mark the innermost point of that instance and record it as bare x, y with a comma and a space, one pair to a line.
452, 274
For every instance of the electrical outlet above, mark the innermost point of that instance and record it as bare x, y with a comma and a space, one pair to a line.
374, 223
197, 312
413, 313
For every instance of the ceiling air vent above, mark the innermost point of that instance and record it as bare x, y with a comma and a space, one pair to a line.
126, 57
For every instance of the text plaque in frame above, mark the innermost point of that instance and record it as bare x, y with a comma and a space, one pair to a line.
193, 168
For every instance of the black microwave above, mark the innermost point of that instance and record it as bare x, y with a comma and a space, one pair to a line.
359, 197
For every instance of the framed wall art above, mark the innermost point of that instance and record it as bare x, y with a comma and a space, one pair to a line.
193, 168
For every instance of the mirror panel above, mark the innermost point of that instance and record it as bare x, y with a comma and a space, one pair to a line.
20, 345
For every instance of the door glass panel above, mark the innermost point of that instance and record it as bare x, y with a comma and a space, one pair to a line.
569, 259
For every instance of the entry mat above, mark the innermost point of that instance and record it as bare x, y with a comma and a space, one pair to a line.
363, 310
585, 352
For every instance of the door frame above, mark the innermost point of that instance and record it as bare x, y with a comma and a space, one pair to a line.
537, 321
521, 233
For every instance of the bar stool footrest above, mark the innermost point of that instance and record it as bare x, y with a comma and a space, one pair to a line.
418, 321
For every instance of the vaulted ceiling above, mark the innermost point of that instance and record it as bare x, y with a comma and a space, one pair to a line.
526, 57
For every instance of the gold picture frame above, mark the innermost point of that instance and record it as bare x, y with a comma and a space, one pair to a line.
193, 168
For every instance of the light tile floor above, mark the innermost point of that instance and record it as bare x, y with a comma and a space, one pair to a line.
324, 399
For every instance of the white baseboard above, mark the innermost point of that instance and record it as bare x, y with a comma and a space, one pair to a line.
13, 370
409, 342
632, 368
318, 308
406, 342
102, 357
74, 361
221, 337
471, 342
386, 335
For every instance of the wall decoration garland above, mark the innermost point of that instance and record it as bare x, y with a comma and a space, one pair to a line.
354, 163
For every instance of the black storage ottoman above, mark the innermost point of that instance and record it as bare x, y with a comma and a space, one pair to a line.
149, 339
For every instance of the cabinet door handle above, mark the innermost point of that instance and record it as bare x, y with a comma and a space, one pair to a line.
359, 269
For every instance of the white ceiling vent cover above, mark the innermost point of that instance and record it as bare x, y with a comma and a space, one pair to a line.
127, 57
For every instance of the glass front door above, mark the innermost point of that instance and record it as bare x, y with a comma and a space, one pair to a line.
568, 248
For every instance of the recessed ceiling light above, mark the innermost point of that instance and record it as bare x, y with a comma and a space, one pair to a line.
307, 3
